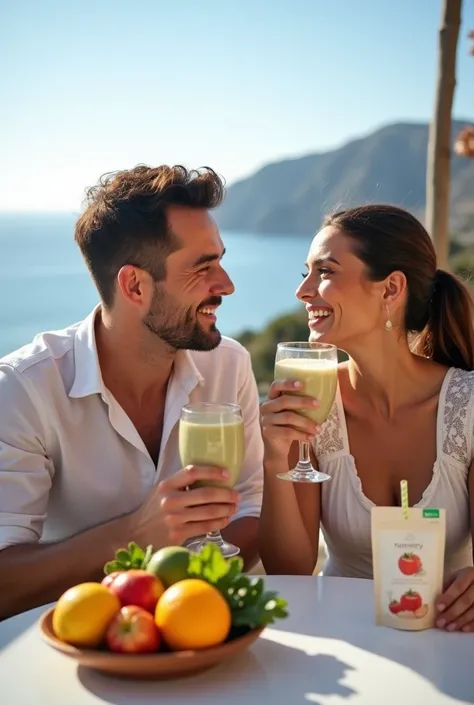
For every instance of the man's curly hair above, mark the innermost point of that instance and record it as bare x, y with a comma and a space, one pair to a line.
125, 220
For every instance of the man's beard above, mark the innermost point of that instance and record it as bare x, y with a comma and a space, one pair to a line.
177, 327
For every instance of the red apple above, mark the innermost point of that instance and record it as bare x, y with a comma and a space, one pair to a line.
108, 580
133, 630
137, 587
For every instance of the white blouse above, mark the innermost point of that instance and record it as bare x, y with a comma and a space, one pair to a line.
345, 510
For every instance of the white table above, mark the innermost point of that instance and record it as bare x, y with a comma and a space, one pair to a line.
327, 652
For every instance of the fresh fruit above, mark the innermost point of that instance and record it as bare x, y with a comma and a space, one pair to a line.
169, 564
137, 587
411, 601
409, 564
108, 580
83, 613
394, 607
192, 614
133, 630
251, 604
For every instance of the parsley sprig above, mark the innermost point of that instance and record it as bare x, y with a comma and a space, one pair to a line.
135, 557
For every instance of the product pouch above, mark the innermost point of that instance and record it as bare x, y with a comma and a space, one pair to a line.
408, 559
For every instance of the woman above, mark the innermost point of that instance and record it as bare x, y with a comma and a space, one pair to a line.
404, 406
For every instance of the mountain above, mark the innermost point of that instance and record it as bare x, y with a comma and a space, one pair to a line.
389, 165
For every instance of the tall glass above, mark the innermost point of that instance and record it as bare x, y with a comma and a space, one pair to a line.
213, 434
315, 366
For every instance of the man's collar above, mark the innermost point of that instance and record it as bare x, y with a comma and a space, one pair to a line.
88, 377
186, 371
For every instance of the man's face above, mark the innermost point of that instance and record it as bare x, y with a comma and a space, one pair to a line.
183, 307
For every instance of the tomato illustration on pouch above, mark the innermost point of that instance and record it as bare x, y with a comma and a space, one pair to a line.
411, 601
394, 607
409, 564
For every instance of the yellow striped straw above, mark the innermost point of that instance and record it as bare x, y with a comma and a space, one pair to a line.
404, 497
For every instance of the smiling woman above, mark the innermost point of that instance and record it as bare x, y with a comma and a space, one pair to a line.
403, 408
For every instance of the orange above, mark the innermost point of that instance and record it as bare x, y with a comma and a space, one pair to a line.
193, 614
83, 613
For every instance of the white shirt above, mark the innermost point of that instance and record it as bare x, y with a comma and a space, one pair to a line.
70, 458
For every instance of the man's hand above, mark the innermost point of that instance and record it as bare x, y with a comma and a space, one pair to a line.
173, 513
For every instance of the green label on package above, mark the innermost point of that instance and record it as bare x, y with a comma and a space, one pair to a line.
430, 513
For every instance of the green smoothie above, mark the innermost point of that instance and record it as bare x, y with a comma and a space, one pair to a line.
212, 442
319, 380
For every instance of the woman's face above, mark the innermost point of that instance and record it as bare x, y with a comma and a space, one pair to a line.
343, 305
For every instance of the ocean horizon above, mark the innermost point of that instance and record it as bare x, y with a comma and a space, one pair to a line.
47, 285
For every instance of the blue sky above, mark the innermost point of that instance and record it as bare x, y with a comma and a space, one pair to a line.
90, 86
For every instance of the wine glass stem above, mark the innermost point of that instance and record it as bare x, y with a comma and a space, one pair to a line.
304, 462
215, 537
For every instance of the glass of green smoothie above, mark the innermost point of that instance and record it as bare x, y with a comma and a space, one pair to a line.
213, 434
315, 366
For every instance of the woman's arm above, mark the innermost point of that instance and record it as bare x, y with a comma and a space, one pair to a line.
471, 501
456, 604
289, 521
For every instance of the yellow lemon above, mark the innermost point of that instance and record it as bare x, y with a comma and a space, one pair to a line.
192, 614
83, 613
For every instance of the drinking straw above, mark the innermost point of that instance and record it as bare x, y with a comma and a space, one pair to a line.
404, 497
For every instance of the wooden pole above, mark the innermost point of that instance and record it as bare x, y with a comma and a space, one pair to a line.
439, 142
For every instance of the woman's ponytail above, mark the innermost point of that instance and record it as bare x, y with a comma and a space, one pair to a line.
448, 337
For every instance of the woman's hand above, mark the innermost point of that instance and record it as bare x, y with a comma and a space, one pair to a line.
281, 424
456, 604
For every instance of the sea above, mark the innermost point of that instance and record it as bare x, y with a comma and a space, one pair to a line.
46, 286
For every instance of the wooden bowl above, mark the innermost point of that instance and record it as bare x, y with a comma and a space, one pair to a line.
157, 666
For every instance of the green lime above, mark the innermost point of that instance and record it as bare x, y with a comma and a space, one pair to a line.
169, 564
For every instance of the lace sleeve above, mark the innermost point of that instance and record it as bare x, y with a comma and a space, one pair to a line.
331, 439
458, 417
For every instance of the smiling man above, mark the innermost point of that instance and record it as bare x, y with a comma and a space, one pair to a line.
89, 415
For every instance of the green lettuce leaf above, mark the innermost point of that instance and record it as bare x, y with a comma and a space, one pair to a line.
251, 605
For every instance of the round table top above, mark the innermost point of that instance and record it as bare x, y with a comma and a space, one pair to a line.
328, 651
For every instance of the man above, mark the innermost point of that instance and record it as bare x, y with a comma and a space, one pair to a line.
89, 415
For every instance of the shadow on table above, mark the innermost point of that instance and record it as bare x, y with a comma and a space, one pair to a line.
427, 649
268, 672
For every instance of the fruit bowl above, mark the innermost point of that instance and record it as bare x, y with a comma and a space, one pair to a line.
153, 666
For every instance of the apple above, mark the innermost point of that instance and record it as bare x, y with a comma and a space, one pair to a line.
108, 580
133, 631
137, 587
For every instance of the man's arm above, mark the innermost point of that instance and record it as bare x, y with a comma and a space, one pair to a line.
32, 573
35, 574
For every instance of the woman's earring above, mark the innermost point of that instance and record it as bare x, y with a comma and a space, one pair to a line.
388, 322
